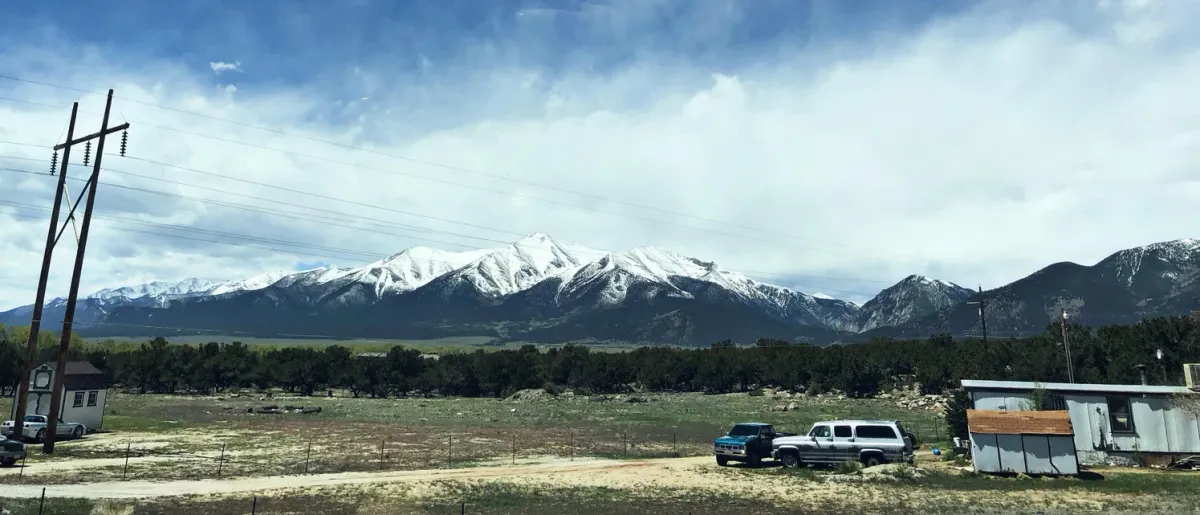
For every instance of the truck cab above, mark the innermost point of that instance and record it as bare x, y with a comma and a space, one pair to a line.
747, 442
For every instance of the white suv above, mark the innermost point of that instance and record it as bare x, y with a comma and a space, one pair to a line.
872, 442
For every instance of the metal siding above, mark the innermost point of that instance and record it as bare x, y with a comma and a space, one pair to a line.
1183, 429
1085, 420
1012, 458
1037, 454
984, 453
1150, 424
1062, 455
1002, 401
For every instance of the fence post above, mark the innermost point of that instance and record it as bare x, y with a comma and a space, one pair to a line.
42, 504
21, 473
307, 456
674, 445
514, 454
125, 470
254, 507
571, 445
625, 440
221, 461
450, 453
381, 447
462, 508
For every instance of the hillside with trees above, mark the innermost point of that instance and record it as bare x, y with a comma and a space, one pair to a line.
1104, 355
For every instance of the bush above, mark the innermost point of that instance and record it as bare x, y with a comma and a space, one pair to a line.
552, 389
757, 392
848, 467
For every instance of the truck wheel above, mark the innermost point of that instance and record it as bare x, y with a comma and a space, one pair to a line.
722, 461
41, 436
77, 433
8, 462
790, 460
753, 460
872, 460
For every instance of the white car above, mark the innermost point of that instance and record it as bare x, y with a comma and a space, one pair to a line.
34, 429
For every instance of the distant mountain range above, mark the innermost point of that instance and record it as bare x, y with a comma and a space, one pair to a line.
539, 289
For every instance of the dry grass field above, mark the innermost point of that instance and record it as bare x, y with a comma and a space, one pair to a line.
578, 454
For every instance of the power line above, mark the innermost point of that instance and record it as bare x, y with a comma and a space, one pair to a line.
251, 238
425, 162
357, 203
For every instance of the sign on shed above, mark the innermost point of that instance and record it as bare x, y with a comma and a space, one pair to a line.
1029, 442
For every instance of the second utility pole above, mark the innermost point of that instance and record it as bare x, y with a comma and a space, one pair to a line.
56, 400
35, 325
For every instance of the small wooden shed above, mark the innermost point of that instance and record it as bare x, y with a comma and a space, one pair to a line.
1029, 442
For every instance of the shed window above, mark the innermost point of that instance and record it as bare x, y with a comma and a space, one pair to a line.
1120, 415
78, 400
842, 432
1054, 401
92, 398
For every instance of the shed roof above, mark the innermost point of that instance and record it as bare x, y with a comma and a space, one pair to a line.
1057, 422
978, 384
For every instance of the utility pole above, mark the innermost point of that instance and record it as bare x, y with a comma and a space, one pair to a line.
982, 302
60, 371
1062, 320
35, 324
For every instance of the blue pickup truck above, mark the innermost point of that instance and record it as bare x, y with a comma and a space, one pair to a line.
747, 442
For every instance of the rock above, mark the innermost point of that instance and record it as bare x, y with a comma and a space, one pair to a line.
530, 395
791, 406
895, 470
885, 396
779, 408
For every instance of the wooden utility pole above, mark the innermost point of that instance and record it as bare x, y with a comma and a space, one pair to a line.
60, 370
35, 324
982, 302
1062, 321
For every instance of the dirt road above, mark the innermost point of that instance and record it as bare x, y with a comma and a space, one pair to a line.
553, 471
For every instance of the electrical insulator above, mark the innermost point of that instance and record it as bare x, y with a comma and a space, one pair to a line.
87, 152
54, 163
124, 141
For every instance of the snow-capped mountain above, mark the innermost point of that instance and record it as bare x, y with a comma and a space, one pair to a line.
912, 298
541, 289
1127, 286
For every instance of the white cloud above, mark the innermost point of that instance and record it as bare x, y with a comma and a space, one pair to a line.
975, 151
219, 67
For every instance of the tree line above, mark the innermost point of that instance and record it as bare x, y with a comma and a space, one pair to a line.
1101, 355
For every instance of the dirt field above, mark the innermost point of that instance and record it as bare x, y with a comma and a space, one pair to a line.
541, 456
609, 484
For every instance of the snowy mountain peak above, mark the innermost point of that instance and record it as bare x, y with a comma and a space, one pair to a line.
911, 298
257, 282
154, 289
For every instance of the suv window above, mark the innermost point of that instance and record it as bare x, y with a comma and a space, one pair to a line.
875, 432
819, 432
842, 432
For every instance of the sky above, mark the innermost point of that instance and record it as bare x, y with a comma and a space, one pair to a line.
830, 146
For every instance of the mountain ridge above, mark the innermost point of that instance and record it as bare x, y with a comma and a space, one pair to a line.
540, 288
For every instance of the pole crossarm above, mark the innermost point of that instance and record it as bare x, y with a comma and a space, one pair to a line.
95, 135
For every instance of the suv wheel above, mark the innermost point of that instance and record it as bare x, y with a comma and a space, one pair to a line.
790, 460
8, 462
872, 460
722, 461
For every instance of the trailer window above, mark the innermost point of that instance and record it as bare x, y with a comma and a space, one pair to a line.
1120, 415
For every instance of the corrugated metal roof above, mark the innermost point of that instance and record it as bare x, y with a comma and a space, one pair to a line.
1056, 422
979, 384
